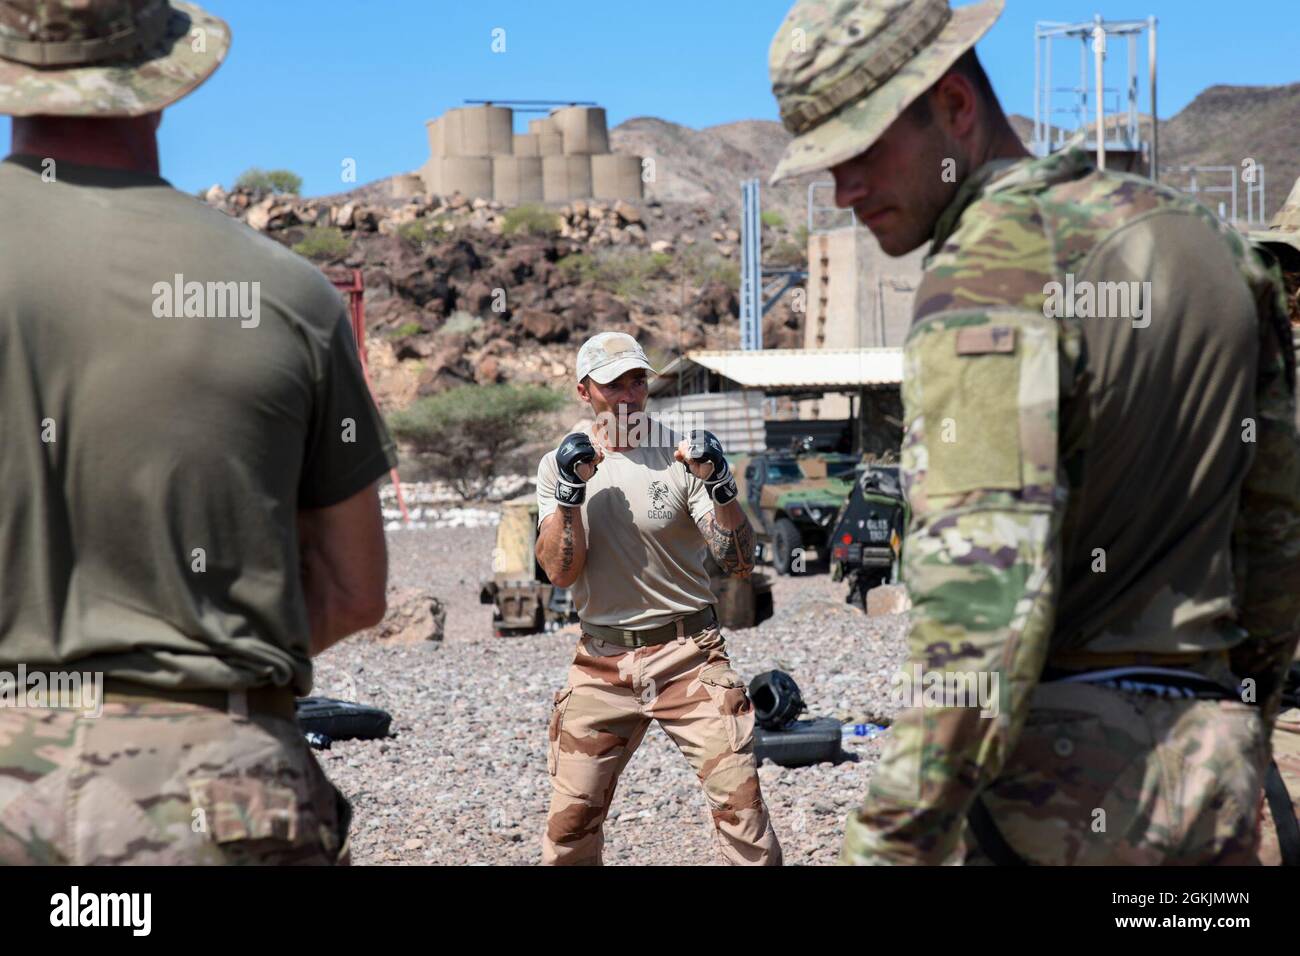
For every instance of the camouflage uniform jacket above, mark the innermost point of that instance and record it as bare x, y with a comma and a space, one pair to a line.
1107, 490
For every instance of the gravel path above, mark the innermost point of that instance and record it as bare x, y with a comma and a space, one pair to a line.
464, 780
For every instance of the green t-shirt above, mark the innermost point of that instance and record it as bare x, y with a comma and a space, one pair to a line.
173, 388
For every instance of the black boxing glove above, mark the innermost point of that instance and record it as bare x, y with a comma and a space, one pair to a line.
570, 489
704, 446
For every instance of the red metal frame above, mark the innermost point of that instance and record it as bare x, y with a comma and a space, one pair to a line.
355, 290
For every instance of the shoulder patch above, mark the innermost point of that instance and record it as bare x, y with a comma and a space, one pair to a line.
986, 339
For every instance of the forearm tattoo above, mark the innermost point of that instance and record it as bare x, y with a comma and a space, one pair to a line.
732, 549
566, 539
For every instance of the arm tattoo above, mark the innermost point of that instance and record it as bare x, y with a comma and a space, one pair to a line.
733, 550
566, 539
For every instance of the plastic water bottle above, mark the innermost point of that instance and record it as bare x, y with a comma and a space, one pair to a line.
862, 730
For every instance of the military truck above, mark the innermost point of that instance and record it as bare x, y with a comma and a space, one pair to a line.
867, 543
793, 501
525, 601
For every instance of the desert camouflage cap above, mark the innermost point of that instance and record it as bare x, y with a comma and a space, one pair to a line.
104, 57
1285, 228
843, 70
607, 355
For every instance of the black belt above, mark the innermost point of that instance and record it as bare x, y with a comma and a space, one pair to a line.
691, 624
1137, 680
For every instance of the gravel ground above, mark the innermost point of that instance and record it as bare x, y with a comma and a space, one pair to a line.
464, 778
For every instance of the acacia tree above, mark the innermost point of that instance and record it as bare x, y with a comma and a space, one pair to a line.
270, 181
465, 433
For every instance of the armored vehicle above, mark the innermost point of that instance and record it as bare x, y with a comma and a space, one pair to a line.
866, 546
792, 501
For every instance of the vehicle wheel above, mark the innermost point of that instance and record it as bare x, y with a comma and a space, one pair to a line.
785, 538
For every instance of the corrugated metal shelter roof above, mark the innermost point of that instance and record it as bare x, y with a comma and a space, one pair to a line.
794, 370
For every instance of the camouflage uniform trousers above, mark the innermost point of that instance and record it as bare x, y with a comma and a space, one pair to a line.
1286, 751
159, 782
1101, 776
600, 718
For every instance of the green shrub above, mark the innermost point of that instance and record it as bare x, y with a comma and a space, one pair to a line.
625, 272
772, 219
407, 328
786, 253
701, 267
463, 433
530, 219
418, 231
578, 267
273, 181
460, 322
801, 237
322, 242
415, 231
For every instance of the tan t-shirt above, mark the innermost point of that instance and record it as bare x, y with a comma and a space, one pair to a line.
645, 555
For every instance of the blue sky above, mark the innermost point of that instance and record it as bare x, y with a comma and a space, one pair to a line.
310, 84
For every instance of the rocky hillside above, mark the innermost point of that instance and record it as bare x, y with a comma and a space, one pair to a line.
461, 291
464, 291
707, 166
1225, 125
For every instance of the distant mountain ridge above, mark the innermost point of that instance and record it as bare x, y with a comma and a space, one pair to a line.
1223, 126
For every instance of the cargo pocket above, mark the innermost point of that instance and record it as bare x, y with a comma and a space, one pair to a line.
557, 724
709, 640
236, 809
728, 693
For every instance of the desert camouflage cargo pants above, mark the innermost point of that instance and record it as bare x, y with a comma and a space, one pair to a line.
169, 783
1286, 751
1101, 776
600, 718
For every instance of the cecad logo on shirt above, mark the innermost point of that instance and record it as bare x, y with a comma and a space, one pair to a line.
659, 502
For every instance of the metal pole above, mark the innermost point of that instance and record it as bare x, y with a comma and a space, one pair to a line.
1047, 90
1155, 121
1038, 91
1134, 131
1099, 57
1263, 210
751, 267
1083, 82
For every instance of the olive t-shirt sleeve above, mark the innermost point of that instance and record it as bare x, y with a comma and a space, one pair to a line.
348, 447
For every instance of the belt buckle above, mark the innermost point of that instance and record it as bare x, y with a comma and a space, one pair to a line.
629, 638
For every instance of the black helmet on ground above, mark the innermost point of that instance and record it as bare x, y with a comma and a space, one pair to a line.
776, 698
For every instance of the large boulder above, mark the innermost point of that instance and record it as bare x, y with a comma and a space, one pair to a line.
888, 599
457, 259
415, 615
716, 301
543, 326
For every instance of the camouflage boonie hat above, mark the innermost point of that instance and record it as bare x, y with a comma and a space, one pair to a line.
843, 70
1284, 230
607, 355
104, 57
